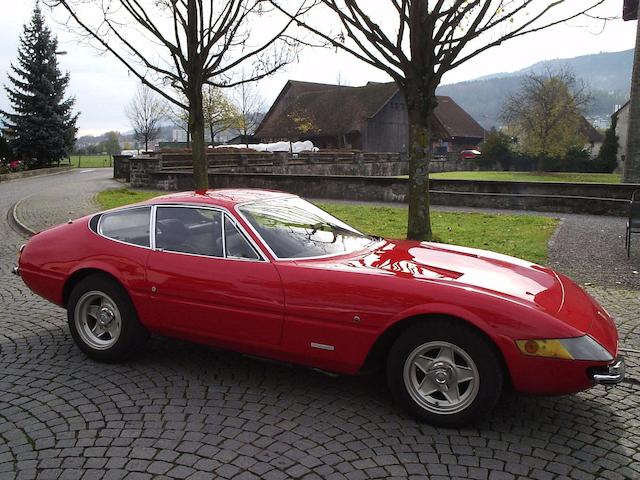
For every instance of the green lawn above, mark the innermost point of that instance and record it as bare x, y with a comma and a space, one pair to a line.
524, 236
91, 161
531, 176
124, 196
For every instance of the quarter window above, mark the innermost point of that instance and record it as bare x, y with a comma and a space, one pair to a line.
189, 230
129, 226
236, 244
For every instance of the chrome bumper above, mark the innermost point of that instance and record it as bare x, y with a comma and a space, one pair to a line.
16, 271
614, 374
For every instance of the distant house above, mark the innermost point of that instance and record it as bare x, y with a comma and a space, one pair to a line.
371, 118
594, 137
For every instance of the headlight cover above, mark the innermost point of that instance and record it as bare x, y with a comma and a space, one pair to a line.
579, 348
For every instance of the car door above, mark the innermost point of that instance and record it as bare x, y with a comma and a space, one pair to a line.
207, 279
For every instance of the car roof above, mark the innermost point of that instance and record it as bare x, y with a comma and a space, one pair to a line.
227, 198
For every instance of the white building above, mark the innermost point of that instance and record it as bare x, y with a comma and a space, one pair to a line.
622, 131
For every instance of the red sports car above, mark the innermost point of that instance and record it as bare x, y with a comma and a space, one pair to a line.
270, 274
469, 154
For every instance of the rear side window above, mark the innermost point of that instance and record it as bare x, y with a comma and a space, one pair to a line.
128, 226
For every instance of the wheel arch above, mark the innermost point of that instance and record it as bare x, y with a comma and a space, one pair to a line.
380, 349
78, 275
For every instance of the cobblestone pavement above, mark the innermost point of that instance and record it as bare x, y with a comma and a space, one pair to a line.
65, 197
186, 411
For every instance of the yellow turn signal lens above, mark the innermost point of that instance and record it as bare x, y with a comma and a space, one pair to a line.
544, 348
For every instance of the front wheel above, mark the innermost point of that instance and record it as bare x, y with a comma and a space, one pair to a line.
103, 320
445, 373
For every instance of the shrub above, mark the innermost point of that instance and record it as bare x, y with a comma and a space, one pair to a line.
497, 149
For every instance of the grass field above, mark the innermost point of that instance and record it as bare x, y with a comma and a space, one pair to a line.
124, 196
531, 177
524, 236
91, 161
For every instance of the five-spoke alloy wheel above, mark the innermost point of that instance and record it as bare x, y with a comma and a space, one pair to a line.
97, 320
441, 377
444, 372
103, 321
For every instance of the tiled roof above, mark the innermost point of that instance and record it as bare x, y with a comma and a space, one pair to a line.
333, 110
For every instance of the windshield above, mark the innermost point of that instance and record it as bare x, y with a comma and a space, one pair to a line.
294, 228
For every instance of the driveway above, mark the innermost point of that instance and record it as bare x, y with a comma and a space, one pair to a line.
186, 411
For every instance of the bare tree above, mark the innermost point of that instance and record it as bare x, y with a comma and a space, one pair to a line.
185, 44
146, 113
250, 105
546, 113
416, 42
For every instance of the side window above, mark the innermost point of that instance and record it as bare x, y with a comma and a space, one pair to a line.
236, 244
189, 230
129, 226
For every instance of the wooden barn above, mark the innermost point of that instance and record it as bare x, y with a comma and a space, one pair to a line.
371, 118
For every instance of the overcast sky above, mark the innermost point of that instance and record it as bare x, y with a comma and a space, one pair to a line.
103, 87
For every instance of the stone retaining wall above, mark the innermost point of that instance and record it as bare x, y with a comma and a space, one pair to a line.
138, 170
121, 168
598, 199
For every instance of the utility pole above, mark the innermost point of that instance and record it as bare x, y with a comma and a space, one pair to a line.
631, 172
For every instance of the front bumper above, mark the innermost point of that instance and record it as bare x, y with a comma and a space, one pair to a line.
613, 374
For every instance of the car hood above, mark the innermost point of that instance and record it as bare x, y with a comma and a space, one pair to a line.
466, 266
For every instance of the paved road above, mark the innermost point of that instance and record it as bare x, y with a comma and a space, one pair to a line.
185, 411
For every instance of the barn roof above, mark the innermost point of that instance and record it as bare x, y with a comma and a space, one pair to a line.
588, 130
333, 110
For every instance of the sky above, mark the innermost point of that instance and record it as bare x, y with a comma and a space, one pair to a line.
103, 87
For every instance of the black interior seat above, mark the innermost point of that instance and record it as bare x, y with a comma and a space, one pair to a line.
172, 235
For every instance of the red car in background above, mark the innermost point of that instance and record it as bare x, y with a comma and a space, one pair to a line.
270, 274
469, 154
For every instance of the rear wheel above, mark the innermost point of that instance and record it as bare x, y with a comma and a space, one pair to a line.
103, 321
445, 373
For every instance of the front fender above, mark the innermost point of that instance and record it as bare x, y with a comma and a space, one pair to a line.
445, 309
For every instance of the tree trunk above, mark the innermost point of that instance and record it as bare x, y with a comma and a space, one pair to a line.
195, 82
419, 227
196, 128
631, 173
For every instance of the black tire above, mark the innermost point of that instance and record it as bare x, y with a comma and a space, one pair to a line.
476, 397
109, 348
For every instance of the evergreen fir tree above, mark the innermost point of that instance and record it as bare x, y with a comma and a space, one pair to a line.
42, 126
608, 154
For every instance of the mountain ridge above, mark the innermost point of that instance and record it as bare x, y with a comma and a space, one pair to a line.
607, 74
